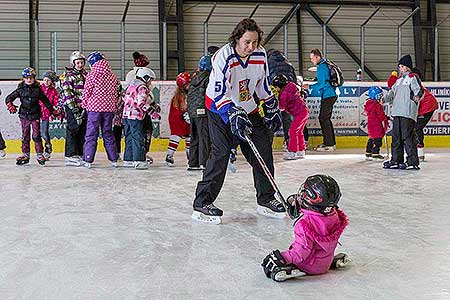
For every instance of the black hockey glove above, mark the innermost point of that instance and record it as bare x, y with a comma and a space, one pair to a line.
240, 124
272, 114
272, 261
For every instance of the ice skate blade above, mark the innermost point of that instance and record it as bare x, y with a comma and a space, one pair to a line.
267, 212
200, 217
283, 276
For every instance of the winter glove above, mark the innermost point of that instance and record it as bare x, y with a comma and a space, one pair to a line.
272, 114
272, 261
11, 107
186, 118
240, 124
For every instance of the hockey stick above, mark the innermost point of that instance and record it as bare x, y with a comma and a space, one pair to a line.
263, 165
387, 146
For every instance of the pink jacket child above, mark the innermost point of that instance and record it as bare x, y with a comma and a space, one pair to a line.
100, 96
52, 94
316, 232
49, 79
293, 103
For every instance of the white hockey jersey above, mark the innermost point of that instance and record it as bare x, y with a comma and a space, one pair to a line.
233, 81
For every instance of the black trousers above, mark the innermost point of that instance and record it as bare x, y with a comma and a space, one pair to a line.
74, 135
373, 145
404, 138
326, 110
2, 142
148, 132
422, 121
200, 144
216, 167
117, 131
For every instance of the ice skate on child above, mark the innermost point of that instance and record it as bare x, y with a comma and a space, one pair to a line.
317, 229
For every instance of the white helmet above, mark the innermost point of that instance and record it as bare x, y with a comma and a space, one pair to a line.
76, 55
145, 74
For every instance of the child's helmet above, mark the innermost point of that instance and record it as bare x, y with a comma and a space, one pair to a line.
95, 57
204, 63
76, 55
145, 74
183, 78
375, 93
319, 193
50, 75
28, 72
280, 81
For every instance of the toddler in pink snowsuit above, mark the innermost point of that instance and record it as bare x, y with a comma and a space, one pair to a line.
316, 232
293, 103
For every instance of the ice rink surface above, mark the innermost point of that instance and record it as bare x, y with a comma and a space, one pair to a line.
116, 234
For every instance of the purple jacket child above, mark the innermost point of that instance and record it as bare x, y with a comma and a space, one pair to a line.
316, 238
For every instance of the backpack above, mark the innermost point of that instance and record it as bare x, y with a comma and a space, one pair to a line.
336, 77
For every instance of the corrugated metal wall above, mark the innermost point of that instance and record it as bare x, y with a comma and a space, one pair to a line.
101, 31
101, 27
443, 10
381, 33
14, 38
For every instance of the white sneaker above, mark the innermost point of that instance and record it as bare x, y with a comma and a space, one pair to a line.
141, 165
2, 154
323, 148
72, 161
128, 164
301, 154
290, 156
87, 164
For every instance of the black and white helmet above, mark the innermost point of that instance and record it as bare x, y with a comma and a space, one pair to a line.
145, 74
76, 55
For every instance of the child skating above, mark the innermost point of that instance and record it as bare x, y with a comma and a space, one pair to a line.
293, 103
179, 118
316, 232
49, 79
377, 123
31, 95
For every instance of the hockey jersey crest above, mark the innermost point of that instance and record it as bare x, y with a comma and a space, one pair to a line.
234, 82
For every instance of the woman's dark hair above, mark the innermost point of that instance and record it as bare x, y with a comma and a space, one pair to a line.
417, 71
316, 52
241, 28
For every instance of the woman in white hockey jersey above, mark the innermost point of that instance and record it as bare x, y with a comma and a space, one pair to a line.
239, 72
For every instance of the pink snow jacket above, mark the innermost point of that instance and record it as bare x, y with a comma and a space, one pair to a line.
137, 101
53, 96
315, 239
291, 101
101, 89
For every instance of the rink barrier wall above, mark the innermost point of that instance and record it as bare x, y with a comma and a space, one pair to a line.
348, 118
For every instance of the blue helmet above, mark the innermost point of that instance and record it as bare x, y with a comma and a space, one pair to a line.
95, 57
204, 63
375, 93
28, 72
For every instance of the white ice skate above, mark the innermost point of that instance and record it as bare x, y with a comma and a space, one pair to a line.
87, 165
74, 161
198, 216
128, 164
274, 209
285, 273
341, 260
2, 154
301, 154
323, 148
232, 167
208, 214
141, 165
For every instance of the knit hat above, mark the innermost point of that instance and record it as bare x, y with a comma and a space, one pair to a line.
406, 61
140, 60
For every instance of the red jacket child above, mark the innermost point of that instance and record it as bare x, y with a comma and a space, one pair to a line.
377, 121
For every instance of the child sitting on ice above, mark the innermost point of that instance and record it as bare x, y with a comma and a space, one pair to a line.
317, 230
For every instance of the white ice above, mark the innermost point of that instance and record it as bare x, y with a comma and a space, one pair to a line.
104, 233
